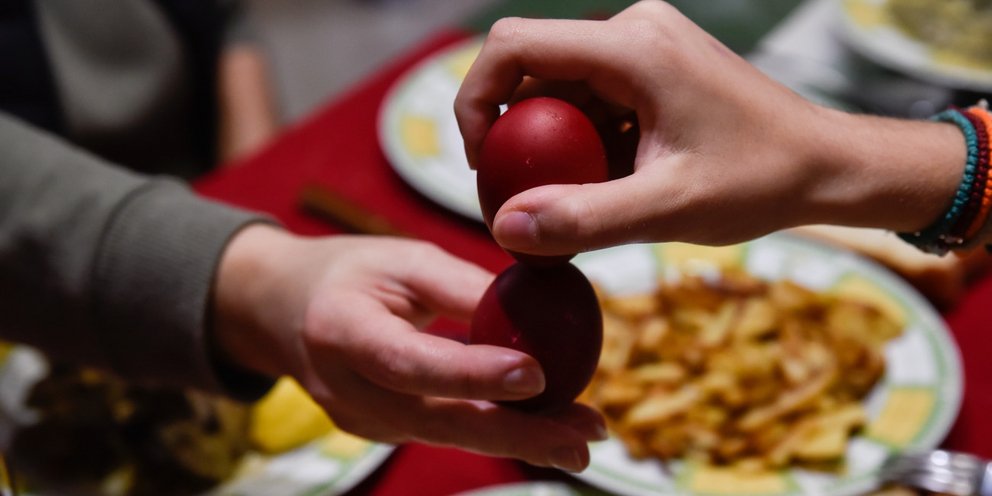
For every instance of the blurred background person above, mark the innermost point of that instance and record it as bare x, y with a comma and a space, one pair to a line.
161, 86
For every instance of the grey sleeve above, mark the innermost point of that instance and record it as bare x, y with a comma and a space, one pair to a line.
105, 267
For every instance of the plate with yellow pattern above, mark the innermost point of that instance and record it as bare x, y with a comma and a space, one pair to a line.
419, 135
912, 406
945, 42
532, 488
299, 451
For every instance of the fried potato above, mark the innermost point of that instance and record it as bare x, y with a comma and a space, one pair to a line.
738, 372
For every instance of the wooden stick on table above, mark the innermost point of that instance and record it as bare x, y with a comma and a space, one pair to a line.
321, 202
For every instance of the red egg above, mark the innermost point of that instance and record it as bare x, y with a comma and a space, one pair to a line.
538, 141
553, 315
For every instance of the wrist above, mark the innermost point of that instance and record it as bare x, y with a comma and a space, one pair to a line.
249, 323
886, 173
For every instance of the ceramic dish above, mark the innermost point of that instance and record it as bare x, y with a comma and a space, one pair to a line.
869, 29
536, 488
912, 407
419, 135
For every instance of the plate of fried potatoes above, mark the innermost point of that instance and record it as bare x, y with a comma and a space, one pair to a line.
776, 367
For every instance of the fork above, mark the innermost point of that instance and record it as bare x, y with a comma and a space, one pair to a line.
940, 471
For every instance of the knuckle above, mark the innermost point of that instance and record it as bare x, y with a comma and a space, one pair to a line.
461, 108
364, 427
352, 425
505, 31
391, 370
465, 385
653, 23
580, 218
427, 249
591, 221
315, 320
436, 429
649, 32
657, 7
419, 246
650, 8
423, 253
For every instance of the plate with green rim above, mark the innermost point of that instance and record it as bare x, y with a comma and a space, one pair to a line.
534, 488
419, 135
912, 407
328, 466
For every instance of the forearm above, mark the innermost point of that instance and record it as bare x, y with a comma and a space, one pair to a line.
248, 116
104, 267
887, 173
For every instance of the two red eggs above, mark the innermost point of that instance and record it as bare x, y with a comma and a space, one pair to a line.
542, 306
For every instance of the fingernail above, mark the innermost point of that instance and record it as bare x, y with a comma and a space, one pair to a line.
566, 458
598, 432
524, 380
516, 228
591, 431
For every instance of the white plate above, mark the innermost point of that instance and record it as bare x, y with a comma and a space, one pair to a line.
869, 30
419, 134
537, 488
329, 465
921, 386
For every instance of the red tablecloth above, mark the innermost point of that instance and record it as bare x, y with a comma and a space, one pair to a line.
338, 148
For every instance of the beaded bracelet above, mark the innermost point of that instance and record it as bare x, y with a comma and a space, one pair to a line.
959, 231
986, 117
936, 238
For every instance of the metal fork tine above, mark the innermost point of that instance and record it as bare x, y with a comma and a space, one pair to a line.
936, 471
936, 485
902, 464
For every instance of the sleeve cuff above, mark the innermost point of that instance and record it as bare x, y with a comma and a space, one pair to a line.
153, 278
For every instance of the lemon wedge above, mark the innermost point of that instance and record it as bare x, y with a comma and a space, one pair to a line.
287, 417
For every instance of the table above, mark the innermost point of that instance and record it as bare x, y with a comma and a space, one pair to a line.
337, 148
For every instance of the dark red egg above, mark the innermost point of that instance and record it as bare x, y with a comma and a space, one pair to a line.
553, 315
538, 141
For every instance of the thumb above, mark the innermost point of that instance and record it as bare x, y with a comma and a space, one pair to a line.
561, 219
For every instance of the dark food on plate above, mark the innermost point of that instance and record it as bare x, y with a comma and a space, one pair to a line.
959, 27
102, 436
737, 371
